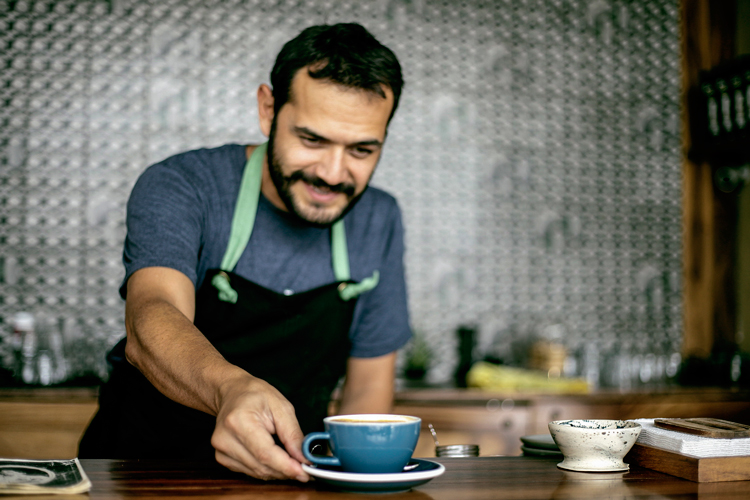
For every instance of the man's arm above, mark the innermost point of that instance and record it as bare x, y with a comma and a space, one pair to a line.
166, 347
369, 385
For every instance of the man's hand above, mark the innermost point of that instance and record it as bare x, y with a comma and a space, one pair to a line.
251, 411
165, 346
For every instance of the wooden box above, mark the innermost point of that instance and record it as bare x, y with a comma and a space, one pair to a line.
700, 470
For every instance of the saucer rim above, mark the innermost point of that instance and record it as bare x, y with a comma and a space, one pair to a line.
541, 452
598, 469
540, 441
363, 477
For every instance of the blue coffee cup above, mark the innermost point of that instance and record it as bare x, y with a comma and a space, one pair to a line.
372, 443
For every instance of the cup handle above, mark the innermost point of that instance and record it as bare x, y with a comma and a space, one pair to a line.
318, 459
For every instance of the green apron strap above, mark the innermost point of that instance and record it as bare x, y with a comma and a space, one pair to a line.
339, 251
340, 256
243, 221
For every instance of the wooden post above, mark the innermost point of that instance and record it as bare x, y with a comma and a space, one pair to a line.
709, 217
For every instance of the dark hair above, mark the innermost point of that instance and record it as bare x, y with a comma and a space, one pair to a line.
346, 54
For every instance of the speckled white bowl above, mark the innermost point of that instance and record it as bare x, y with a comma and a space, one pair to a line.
594, 445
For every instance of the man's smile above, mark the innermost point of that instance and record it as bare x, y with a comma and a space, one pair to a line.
321, 194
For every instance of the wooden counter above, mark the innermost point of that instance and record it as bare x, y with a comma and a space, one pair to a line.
48, 423
44, 423
509, 478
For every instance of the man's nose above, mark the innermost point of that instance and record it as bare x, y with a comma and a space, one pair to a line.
333, 169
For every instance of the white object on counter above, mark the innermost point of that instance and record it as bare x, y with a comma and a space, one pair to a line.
689, 444
594, 445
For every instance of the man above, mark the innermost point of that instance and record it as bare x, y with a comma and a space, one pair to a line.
257, 276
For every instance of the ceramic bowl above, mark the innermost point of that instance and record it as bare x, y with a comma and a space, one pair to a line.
594, 445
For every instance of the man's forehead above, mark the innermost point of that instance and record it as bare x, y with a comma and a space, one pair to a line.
336, 112
302, 81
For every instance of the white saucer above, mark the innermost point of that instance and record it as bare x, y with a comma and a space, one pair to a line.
377, 483
593, 469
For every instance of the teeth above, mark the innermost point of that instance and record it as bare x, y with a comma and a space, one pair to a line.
321, 190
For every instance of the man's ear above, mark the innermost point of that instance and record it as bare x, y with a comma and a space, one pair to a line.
265, 108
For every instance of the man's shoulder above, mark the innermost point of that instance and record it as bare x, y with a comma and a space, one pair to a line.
198, 168
377, 210
202, 157
375, 198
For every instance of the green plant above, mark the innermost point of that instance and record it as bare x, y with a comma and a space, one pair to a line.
418, 356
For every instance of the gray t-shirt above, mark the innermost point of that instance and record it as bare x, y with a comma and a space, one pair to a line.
180, 213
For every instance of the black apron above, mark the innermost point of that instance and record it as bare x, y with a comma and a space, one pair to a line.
298, 343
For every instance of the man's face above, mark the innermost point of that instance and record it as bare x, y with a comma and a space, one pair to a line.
324, 145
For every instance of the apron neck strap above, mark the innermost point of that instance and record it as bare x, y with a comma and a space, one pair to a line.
246, 208
339, 252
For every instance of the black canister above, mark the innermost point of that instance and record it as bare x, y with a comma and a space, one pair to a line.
466, 340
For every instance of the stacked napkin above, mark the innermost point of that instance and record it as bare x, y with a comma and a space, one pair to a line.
689, 444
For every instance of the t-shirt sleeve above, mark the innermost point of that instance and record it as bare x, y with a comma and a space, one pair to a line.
381, 318
163, 223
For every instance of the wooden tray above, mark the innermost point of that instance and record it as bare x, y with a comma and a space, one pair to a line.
706, 427
700, 470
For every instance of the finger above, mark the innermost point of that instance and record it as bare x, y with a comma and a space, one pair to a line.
290, 434
231, 453
276, 458
260, 445
254, 459
258, 471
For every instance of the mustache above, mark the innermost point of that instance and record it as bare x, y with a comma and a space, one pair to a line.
313, 180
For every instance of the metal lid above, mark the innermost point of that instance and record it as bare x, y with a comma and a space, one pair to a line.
457, 450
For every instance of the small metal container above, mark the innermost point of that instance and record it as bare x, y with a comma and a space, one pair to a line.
457, 450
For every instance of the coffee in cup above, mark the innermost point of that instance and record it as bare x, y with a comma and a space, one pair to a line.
370, 443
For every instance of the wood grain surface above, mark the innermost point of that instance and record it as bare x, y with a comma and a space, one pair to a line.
702, 470
522, 478
709, 216
706, 427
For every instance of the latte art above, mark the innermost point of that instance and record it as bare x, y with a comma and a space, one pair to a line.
373, 419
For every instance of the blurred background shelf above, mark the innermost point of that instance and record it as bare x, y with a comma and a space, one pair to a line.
497, 421
47, 423
44, 423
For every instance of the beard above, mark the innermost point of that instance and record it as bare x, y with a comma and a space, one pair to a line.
314, 214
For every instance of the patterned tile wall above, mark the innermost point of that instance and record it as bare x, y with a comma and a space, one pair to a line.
536, 157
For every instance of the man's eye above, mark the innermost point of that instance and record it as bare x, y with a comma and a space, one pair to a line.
312, 141
361, 152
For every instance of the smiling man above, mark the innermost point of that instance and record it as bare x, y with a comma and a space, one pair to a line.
256, 277
324, 146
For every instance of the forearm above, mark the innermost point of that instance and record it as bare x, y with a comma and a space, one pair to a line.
366, 402
176, 358
369, 385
